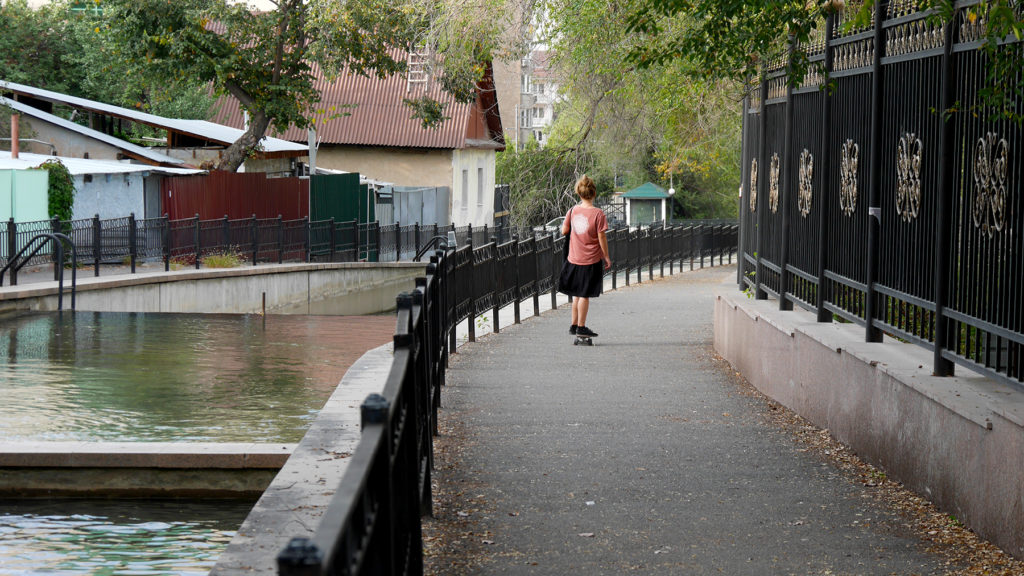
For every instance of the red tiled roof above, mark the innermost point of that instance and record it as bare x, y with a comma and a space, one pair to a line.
380, 118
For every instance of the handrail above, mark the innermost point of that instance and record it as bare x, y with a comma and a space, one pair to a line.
16, 263
436, 240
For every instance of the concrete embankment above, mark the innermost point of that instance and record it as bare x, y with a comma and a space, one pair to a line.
324, 288
958, 440
136, 469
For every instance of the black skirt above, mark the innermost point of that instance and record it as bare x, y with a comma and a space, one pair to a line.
584, 281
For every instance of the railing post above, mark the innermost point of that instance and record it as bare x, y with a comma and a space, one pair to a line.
167, 242
12, 249
741, 211
941, 366
761, 212
650, 251
826, 153
133, 238
873, 334
376, 244
416, 237
515, 308
497, 303
333, 239
556, 265
280, 239
226, 234
472, 288
97, 243
536, 275
57, 266
198, 248
615, 263
398, 241
786, 185
254, 239
308, 248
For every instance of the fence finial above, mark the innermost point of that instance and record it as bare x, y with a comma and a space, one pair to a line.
374, 409
300, 556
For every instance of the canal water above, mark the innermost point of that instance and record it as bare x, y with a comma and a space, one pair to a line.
115, 537
133, 377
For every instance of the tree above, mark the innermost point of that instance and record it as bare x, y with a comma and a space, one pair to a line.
661, 122
32, 46
61, 191
733, 39
265, 59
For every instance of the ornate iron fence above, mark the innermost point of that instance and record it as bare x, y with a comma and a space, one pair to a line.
881, 190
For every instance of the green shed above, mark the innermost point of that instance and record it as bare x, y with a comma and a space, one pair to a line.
645, 204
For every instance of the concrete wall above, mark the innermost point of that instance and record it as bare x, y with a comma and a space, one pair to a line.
109, 195
472, 199
958, 441
72, 144
340, 289
398, 166
24, 195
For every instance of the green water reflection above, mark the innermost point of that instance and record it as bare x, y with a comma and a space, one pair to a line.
122, 537
167, 377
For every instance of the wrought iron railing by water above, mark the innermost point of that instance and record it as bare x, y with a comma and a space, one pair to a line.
862, 203
373, 523
126, 241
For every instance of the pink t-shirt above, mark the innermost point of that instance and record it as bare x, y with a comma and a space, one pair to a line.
584, 248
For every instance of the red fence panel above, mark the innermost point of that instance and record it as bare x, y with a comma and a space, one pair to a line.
236, 195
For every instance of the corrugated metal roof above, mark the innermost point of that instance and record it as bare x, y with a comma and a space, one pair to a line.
83, 166
142, 151
648, 190
379, 117
224, 135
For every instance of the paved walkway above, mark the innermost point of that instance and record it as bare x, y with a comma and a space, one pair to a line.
641, 454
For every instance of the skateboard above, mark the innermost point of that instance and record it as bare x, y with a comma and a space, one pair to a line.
584, 340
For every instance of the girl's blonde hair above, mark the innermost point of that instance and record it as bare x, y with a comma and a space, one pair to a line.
585, 188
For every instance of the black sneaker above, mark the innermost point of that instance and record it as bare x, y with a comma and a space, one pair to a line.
572, 329
584, 331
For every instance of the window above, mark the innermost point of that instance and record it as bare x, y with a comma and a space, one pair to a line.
540, 112
480, 186
465, 189
540, 88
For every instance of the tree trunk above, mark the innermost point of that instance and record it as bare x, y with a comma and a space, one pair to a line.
236, 154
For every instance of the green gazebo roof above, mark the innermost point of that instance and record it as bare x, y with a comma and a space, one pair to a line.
648, 191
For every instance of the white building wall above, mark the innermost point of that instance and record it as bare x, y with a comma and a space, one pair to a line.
472, 199
110, 196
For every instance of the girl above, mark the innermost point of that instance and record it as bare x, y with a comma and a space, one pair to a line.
582, 275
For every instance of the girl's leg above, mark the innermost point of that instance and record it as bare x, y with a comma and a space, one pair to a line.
580, 306
575, 309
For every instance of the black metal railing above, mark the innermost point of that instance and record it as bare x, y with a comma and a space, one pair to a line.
881, 189
373, 523
188, 242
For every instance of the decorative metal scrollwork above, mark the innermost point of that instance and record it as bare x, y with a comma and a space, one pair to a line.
973, 27
990, 165
908, 177
857, 54
773, 184
753, 184
848, 160
806, 190
914, 36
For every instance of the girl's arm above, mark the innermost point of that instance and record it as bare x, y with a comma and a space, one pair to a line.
603, 241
